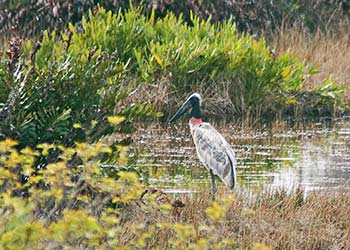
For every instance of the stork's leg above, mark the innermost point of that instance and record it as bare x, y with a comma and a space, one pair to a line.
213, 188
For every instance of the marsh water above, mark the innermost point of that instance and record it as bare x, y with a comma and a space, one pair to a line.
310, 156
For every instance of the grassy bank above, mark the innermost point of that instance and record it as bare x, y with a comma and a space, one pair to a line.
77, 203
264, 221
90, 196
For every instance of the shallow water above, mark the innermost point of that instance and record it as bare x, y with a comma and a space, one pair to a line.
314, 156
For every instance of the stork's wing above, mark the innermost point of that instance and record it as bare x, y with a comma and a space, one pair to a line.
215, 152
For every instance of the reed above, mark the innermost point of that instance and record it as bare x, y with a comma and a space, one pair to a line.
328, 52
265, 220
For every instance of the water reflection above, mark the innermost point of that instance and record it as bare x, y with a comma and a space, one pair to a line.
313, 156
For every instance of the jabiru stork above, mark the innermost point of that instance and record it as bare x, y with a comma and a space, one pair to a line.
212, 149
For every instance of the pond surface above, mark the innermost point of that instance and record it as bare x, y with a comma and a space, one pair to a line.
314, 156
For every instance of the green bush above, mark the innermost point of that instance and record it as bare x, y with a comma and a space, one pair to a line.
4, 88
81, 77
195, 56
66, 80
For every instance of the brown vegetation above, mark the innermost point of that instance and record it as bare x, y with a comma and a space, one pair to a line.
274, 219
329, 53
29, 18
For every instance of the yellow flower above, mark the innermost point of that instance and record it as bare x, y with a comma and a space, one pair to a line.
7, 145
115, 120
215, 211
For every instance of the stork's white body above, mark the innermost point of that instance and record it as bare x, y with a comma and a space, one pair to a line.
212, 148
214, 151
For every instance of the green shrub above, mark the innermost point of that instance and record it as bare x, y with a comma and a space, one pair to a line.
4, 86
196, 56
81, 76
65, 81
202, 56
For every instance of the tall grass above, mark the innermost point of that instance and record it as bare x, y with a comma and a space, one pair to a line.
329, 52
276, 219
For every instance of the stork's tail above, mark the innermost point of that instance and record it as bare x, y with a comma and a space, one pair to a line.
232, 176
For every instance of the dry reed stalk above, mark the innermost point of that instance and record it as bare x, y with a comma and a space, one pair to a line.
155, 94
330, 53
278, 219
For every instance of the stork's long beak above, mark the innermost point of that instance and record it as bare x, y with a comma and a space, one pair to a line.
186, 106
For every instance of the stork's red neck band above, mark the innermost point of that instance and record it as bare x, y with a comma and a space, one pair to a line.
195, 120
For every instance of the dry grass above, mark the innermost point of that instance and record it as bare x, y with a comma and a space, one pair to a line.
330, 53
279, 220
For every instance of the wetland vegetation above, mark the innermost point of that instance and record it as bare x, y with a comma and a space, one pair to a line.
87, 160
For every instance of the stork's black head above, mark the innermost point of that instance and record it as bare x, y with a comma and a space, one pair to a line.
193, 103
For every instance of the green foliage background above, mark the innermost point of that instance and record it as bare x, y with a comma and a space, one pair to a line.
83, 75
